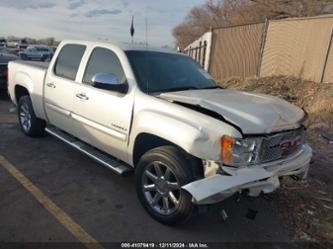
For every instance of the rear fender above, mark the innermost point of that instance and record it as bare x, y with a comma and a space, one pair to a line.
35, 92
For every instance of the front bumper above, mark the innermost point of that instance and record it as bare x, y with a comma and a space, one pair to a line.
256, 179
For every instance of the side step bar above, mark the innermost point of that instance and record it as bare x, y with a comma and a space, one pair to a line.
117, 166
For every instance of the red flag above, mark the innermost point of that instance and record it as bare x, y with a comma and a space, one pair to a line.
132, 27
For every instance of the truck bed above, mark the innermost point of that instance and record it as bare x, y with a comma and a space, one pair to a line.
39, 64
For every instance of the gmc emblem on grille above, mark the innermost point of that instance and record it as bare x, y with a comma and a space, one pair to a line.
288, 144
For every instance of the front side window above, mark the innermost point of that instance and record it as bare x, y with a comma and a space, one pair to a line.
103, 60
68, 61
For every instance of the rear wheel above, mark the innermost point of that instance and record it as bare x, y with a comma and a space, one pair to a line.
29, 123
160, 174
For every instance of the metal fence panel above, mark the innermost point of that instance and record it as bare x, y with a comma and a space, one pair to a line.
235, 51
328, 72
297, 47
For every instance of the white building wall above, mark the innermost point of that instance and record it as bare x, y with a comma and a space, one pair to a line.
208, 37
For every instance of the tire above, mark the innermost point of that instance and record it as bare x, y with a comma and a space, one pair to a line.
154, 199
29, 123
24, 57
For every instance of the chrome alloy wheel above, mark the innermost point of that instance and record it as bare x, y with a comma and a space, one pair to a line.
161, 188
25, 117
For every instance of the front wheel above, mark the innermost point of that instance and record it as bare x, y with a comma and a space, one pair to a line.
160, 174
30, 124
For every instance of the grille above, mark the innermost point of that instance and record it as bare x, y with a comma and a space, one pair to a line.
281, 145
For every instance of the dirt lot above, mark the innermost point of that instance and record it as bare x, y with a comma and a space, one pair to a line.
308, 207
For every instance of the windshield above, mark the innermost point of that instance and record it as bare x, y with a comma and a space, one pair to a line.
164, 72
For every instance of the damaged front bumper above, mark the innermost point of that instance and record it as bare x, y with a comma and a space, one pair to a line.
255, 179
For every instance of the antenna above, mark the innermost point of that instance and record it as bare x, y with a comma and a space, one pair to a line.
146, 38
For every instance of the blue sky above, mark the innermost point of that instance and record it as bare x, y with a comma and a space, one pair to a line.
94, 19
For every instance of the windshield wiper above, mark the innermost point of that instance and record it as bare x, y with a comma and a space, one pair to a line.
212, 87
184, 88
175, 89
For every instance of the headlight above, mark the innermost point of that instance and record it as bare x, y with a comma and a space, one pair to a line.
238, 151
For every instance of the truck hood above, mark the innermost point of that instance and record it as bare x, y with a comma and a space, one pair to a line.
253, 113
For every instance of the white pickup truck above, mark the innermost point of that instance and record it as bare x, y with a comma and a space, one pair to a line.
156, 112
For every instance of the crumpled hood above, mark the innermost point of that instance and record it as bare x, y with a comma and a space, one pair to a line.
253, 113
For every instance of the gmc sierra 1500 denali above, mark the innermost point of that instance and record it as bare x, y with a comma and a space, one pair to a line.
156, 112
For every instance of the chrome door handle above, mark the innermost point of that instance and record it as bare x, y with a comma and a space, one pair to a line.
51, 84
82, 96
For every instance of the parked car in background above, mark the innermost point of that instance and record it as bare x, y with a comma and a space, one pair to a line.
54, 48
4, 59
3, 50
8, 51
23, 44
3, 42
19, 44
36, 52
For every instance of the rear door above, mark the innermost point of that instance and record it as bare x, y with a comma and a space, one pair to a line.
60, 87
103, 116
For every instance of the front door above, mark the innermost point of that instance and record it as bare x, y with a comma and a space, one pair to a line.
103, 116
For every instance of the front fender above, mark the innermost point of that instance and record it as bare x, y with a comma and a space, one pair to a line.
191, 137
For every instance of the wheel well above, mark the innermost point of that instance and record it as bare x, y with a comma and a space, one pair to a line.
19, 92
145, 142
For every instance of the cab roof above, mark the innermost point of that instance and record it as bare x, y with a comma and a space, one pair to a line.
124, 46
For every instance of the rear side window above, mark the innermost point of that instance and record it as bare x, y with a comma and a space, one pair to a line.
68, 61
103, 60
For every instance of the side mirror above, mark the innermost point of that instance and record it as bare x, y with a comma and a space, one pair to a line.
109, 82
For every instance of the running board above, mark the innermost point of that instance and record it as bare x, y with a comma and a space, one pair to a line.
117, 166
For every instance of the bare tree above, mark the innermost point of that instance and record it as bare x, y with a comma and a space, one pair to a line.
50, 41
223, 13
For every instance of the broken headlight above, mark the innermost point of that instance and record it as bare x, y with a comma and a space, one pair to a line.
239, 151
